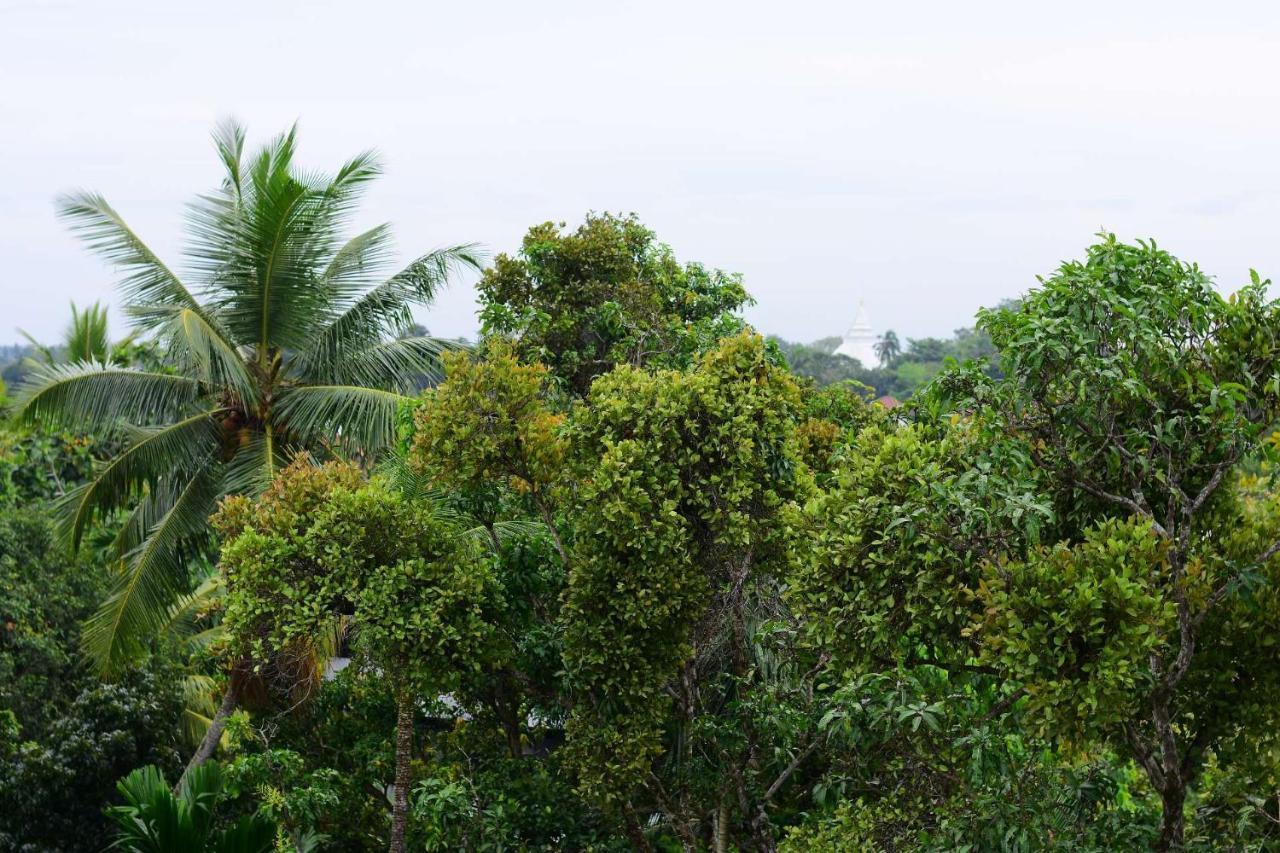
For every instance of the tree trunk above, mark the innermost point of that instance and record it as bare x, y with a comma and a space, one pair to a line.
762, 831
404, 752
1172, 799
639, 841
506, 708
721, 841
219, 722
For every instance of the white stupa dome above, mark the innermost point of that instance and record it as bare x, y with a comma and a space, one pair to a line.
860, 341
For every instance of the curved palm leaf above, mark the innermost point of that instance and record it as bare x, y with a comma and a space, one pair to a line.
196, 339
153, 454
384, 310
99, 395
147, 279
357, 265
152, 576
254, 465
228, 141
198, 707
399, 364
363, 416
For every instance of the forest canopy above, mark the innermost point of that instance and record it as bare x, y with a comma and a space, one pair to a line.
280, 571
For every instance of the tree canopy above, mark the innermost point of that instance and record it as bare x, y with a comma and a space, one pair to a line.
626, 574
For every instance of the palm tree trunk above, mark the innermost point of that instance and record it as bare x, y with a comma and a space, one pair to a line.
404, 752
219, 722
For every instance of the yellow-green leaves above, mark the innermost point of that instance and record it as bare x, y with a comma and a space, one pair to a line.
323, 544
683, 476
605, 294
489, 422
1076, 626
880, 561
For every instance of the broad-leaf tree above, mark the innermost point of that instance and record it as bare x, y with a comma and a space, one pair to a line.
1140, 393
321, 545
283, 337
606, 294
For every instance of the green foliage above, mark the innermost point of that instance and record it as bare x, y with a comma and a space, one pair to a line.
923, 759
46, 593
52, 792
627, 583
321, 770
1130, 375
284, 340
293, 560
603, 295
1077, 625
879, 568
488, 424
38, 465
498, 802
1138, 392
155, 819
900, 373
322, 543
682, 473
886, 554
425, 619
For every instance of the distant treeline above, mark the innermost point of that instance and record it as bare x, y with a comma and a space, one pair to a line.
900, 374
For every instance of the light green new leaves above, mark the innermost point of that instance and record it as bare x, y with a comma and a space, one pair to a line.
683, 475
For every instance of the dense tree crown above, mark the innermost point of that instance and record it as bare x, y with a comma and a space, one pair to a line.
606, 294
1140, 393
619, 577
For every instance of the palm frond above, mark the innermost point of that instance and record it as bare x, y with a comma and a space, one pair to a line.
153, 576
146, 278
196, 339
152, 455
228, 140
411, 483
46, 354
86, 337
270, 243
386, 310
418, 488
399, 365
254, 465
505, 531
198, 707
98, 395
358, 264
348, 414
341, 193
184, 619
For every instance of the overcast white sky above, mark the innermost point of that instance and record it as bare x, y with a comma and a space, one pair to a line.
928, 158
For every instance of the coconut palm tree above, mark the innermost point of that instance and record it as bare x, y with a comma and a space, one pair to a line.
888, 348
85, 340
281, 337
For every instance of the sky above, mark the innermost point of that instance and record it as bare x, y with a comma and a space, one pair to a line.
924, 158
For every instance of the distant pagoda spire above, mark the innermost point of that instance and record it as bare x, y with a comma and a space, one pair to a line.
860, 341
